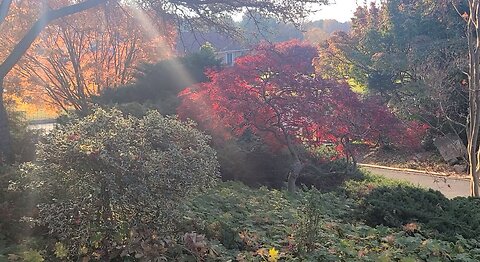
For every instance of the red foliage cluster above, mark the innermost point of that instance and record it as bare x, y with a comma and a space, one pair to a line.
275, 93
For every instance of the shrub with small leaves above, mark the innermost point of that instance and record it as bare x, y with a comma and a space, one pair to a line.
271, 225
110, 185
403, 206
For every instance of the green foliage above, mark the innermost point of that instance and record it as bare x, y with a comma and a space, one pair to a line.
311, 219
23, 139
14, 205
242, 218
252, 162
330, 176
135, 109
242, 224
158, 85
110, 185
32, 256
234, 222
348, 242
360, 188
400, 205
27, 249
412, 53
440, 217
60, 250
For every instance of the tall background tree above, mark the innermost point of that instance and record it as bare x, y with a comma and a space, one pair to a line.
256, 28
409, 52
46, 15
78, 57
472, 17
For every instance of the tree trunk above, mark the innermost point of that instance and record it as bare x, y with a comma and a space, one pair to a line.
474, 180
349, 154
6, 149
473, 127
473, 164
294, 174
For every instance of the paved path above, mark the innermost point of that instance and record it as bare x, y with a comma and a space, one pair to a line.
47, 127
450, 187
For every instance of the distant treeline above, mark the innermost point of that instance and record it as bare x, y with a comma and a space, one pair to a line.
275, 31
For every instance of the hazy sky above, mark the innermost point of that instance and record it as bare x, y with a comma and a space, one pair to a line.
342, 11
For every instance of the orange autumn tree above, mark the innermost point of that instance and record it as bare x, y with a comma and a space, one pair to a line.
17, 33
79, 56
22, 15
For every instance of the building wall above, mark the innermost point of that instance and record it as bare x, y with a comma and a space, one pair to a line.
228, 57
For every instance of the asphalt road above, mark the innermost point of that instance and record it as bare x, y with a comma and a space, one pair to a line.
450, 187
47, 127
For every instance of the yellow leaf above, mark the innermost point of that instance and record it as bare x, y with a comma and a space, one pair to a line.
272, 255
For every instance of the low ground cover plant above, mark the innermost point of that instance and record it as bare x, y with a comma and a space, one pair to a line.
232, 221
440, 217
243, 224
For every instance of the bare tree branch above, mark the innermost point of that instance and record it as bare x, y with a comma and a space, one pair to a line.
22, 46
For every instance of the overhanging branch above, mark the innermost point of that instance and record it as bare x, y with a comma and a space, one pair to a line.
22, 46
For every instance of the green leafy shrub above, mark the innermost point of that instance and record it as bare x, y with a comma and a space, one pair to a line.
23, 139
397, 206
110, 185
366, 182
252, 163
357, 242
310, 221
239, 218
28, 249
438, 216
329, 176
14, 204
242, 224
249, 160
135, 109
159, 84
463, 217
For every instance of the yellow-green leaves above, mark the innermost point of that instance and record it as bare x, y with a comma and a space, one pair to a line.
60, 250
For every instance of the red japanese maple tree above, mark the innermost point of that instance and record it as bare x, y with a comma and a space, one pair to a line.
274, 93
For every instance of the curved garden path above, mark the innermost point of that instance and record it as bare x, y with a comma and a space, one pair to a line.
450, 187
